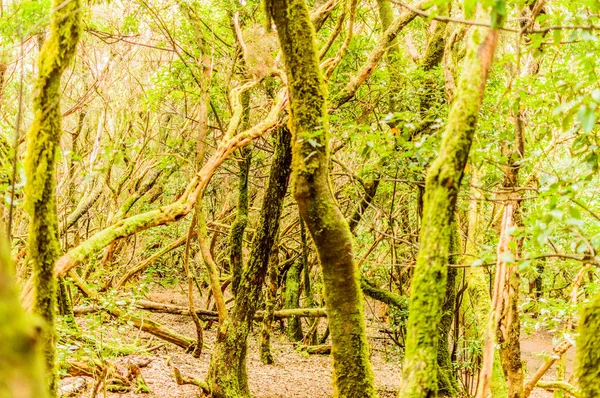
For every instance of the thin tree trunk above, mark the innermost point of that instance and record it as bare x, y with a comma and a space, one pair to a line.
447, 381
236, 237
42, 146
227, 374
353, 376
266, 356
292, 299
428, 286
478, 298
498, 299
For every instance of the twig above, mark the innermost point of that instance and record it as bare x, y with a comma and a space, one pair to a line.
487, 25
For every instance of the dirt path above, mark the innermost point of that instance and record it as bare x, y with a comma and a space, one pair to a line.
294, 375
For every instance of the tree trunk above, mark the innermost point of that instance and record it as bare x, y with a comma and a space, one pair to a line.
266, 356
352, 376
42, 146
227, 375
292, 299
588, 349
21, 360
428, 286
447, 381
478, 301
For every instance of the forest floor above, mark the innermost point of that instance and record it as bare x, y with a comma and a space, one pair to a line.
294, 374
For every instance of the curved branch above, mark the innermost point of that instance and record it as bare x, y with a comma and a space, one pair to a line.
166, 214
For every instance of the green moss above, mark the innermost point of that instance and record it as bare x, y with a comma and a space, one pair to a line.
42, 146
292, 299
447, 381
266, 356
227, 375
353, 376
428, 286
236, 237
21, 360
588, 349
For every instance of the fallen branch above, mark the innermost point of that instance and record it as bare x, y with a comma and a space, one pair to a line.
556, 354
74, 389
559, 385
166, 214
182, 379
317, 349
147, 325
204, 314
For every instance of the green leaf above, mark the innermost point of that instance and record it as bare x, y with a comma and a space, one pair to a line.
587, 117
507, 257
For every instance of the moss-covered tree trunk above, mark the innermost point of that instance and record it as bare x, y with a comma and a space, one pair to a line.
266, 356
428, 288
447, 381
236, 237
42, 146
292, 299
353, 376
588, 349
21, 360
227, 374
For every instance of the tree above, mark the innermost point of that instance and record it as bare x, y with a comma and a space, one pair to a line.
21, 354
227, 375
42, 144
428, 285
353, 376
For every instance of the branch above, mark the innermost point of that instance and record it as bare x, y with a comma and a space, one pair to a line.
559, 385
164, 215
556, 354
374, 57
441, 18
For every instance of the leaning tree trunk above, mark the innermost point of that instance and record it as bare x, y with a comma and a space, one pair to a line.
42, 145
588, 349
428, 286
353, 376
21, 361
227, 374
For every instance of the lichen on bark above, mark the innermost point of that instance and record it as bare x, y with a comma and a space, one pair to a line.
42, 147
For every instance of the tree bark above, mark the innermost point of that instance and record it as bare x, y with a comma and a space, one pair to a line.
21, 359
428, 286
227, 374
588, 349
42, 146
352, 376
292, 299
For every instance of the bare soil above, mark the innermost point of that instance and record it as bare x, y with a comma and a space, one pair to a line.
294, 374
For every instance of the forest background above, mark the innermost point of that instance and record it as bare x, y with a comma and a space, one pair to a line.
278, 163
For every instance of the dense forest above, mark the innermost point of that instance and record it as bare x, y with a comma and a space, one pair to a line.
299, 198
